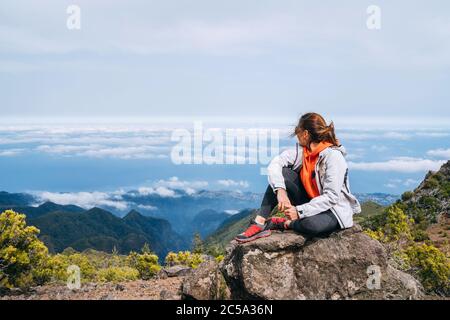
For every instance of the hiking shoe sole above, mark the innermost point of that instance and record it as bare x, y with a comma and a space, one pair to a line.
261, 234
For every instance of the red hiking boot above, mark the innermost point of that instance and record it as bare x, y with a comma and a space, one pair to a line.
252, 233
276, 223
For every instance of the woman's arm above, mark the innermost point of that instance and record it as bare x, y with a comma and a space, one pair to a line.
333, 181
291, 157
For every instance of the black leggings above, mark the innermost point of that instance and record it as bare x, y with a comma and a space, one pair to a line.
321, 224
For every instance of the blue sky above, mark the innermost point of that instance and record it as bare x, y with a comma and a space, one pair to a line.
210, 58
92, 109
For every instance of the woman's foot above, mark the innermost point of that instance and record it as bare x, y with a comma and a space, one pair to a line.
277, 223
253, 232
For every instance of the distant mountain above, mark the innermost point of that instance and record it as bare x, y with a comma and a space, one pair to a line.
180, 209
46, 207
383, 199
15, 199
101, 230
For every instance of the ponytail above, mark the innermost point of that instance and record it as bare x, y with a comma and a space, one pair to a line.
317, 127
329, 135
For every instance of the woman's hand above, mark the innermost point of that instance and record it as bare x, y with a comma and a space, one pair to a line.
283, 200
291, 213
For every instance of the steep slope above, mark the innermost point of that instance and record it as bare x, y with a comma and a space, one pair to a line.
207, 221
429, 206
230, 228
160, 234
431, 199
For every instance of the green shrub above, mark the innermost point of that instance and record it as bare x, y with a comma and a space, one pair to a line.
23, 257
445, 189
394, 226
431, 183
146, 264
185, 258
60, 262
197, 244
425, 261
407, 195
215, 251
117, 274
431, 266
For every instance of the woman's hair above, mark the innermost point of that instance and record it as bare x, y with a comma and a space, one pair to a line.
317, 127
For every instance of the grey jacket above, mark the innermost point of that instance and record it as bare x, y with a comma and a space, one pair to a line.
331, 174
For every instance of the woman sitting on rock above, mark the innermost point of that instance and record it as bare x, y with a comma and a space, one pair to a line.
309, 184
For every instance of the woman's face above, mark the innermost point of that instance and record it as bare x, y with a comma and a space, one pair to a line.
303, 137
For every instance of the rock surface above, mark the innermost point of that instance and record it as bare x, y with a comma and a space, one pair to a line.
206, 283
286, 266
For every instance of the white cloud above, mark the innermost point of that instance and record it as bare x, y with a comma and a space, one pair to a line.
379, 148
99, 151
411, 183
396, 183
233, 183
11, 152
401, 164
161, 191
186, 185
147, 207
85, 200
231, 211
439, 153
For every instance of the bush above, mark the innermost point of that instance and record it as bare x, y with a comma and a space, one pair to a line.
445, 189
431, 183
60, 262
215, 251
431, 266
395, 226
185, 258
146, 264
23, 257
407, 195
117, 274
425, 261
197, 244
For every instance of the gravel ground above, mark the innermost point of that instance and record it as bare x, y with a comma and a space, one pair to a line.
155, 289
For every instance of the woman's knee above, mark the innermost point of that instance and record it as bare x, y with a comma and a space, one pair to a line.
310, 226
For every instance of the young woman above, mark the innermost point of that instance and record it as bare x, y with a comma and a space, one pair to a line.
309, 184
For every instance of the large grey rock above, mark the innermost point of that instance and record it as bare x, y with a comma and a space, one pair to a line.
206, 283
177, 271
286, 266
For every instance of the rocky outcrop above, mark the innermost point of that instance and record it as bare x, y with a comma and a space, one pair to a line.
206, 283
286, 266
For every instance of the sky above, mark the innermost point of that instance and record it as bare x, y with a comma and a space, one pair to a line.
251, 58
93, 110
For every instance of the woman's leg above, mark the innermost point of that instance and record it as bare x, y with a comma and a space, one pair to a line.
321, 224
297, 195
295, 190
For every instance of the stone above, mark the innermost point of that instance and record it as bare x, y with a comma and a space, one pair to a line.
346, 265
206, 282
